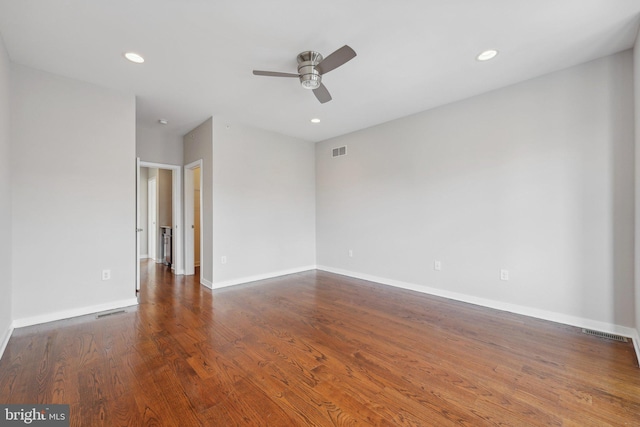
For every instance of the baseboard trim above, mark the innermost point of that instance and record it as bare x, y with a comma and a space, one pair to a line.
5, 340
206, 283
257, 277
503, 306
67, 314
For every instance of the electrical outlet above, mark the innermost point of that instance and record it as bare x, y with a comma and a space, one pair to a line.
223, 259
437, 265
504, 274
106, 274
350, 253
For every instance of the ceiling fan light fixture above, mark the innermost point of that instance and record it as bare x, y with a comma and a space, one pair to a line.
310, 81
487, 55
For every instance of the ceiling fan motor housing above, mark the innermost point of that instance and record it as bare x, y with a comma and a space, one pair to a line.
310, 78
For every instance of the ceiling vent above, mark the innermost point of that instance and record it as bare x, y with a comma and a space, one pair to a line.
340, 151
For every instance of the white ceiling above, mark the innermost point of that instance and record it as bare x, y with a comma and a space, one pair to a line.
412, 54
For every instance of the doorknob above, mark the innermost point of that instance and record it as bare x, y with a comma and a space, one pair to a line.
139, 229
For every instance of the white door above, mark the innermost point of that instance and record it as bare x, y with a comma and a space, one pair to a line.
192, 215
138, 225
153, 215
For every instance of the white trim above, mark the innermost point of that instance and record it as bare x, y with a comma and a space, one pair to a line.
498, 305
177, 208
5, 340
144, 256
206, 283
189, 261
636, 344
138, 225
66, 314
257, 277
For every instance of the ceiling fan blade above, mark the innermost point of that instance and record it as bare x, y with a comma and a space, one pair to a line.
336, 59
274, 74
322, 94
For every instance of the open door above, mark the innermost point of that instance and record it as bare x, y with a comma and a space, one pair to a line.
138, 228
193, 216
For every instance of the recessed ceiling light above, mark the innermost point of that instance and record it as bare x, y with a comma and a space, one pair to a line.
134, 57
487, 55
163, 121
316, 120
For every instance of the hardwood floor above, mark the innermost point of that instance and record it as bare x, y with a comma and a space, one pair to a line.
318, 349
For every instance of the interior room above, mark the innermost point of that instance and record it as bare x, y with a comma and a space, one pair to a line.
275, 213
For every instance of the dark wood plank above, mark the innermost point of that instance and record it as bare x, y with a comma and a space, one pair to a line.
317, 349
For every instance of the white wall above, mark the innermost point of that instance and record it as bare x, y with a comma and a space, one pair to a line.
536, 178
198, 144
155, 145
73, 169
263, 204
5, 201
636, 74
143, 214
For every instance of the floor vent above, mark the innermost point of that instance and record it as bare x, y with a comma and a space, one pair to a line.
340, 151
109, 313
605, 335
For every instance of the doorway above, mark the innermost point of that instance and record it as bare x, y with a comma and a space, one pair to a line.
173, 184
193, 216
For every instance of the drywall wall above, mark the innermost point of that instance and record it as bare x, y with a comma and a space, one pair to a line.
636, 75
143, 213
536, 178
155, 145
263, 204
198, 145
73, 196
196, 217
5, 201
165, 206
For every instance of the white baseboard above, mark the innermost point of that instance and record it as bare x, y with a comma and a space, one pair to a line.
206, 283
503, 306
5, 340
66, 314
636, 344
145, 256
255, 278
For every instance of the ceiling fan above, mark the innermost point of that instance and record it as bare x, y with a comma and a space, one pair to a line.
312, 66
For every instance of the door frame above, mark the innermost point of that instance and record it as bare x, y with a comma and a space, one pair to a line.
189, 261
176, 195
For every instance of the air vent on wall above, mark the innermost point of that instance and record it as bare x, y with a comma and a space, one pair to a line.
340, 151
605, 335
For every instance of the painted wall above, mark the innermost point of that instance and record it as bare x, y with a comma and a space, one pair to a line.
196, 217
198, 144
155, 145
263, 203
5, 197
165, 206
636, 74
536, 178
143, 214
73, 151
